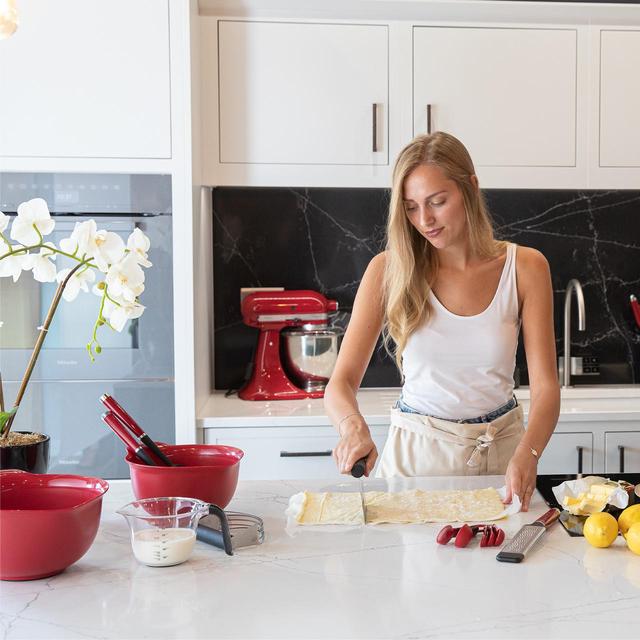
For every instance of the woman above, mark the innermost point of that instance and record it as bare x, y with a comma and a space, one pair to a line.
451, 299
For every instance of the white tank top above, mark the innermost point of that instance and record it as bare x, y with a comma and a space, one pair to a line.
462, 366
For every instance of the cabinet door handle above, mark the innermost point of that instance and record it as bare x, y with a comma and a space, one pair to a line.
375, 127
304, 454
580, 449
621, 451
428, 118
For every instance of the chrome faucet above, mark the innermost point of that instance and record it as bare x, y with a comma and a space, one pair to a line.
574, 285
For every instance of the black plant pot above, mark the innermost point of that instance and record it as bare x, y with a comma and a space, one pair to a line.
28, 457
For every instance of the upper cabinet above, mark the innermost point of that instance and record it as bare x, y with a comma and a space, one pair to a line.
540, 104
294, 103
619, 98
294, 93
87, 79
509, 94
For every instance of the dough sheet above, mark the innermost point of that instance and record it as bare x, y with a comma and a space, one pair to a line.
415, 506
331, 508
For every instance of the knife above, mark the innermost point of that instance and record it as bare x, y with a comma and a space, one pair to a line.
357, 471
516, 549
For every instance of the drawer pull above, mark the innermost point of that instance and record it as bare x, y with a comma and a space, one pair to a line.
428, 118
580, 449
621, 450
304, 454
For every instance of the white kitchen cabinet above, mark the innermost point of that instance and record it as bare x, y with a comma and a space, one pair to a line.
619, 130
286, 453
508, 93
564, 452
302, 93
622, 449
87, 79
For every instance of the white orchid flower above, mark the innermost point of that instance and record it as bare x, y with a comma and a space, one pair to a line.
13, 265
118, 314
33, 213
104, 247
125, 279
4, 221
40, 263
80, 280
138, 244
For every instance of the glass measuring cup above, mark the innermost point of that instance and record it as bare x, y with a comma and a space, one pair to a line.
163, 530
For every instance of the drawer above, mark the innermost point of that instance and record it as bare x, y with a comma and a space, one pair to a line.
288, 457
568, 453
622, 451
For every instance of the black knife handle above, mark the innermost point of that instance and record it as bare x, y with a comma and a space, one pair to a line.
357, 471
156, 449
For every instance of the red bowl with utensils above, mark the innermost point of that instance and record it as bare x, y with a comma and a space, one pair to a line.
47, 521
208, 472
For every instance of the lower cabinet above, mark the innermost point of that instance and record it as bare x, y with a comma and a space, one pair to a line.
303, 452
568, 453
622, 451
286, 453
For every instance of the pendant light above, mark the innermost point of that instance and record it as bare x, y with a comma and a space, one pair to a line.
8, 18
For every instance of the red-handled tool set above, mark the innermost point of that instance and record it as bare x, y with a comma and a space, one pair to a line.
132, 435
492, 536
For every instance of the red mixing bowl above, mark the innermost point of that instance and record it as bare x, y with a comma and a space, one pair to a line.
208, 472
47, 522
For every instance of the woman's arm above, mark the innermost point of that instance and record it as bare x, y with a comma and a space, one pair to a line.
355, 352
536, 295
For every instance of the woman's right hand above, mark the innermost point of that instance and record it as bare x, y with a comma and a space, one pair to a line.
355, 443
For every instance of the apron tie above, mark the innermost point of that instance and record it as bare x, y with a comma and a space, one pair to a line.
484, 440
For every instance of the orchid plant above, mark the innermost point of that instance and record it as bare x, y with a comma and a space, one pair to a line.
112, 269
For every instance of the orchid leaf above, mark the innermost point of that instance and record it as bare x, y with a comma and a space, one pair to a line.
5, 416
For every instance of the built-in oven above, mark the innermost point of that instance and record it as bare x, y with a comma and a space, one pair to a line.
135, 365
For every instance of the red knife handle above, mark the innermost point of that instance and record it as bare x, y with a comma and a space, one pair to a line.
548, 518
114, 423
113, 406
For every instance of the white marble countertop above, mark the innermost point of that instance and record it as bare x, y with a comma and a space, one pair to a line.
591, 404
385, 581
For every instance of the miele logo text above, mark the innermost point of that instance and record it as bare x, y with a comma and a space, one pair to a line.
66, 362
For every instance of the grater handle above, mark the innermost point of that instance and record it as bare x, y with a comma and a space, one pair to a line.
548, 518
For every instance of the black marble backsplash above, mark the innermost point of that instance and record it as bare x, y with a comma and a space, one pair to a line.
323, 239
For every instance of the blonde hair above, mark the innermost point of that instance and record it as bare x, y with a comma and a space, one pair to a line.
411, 265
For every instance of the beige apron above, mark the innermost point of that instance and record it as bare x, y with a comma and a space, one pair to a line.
419, 445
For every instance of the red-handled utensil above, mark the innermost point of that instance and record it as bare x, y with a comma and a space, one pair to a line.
110, 403
516, 549
113, 422
635, 307
492, 536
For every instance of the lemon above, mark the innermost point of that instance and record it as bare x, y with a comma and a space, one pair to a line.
633, 537
629, 516
600, 529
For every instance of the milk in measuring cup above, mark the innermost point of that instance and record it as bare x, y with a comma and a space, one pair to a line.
163, 547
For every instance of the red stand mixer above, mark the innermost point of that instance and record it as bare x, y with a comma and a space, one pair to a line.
296, 350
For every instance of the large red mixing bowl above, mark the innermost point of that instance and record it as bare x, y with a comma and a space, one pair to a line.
207, 472
47, 522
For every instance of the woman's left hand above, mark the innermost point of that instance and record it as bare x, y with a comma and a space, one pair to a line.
520, 477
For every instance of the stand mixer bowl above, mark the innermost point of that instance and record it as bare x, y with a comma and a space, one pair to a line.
309, 354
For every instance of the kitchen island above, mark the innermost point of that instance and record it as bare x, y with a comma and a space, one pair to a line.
384, 581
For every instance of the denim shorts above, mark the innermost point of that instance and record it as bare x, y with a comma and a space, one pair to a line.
487, 417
